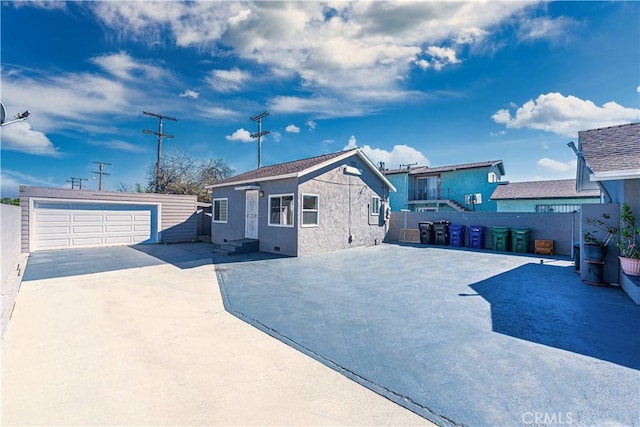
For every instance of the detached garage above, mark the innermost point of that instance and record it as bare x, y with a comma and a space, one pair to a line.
54, 218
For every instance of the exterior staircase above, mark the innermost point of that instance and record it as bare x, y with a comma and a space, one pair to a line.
455, 205
240, 246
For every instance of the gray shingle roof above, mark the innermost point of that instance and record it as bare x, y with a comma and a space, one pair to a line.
613, 148
427, 169
561, 188
282, 169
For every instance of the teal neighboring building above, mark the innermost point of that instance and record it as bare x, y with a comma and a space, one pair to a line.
463, 187
543, 196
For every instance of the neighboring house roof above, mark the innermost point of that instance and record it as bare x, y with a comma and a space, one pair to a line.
438, 169
298, 168
612, 152
554, 189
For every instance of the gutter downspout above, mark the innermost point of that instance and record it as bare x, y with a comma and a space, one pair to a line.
580, 156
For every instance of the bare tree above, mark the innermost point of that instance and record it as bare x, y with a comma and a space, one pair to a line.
180, 173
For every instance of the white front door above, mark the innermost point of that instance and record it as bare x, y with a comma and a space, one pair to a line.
251, 215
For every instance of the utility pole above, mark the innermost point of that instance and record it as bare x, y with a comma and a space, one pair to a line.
101, 172
160, 135
259, 134
75, 180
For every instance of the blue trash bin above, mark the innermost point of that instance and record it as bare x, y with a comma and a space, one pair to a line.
476, 236
456, 235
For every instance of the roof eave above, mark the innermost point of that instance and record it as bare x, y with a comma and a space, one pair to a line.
615, 175
250, 181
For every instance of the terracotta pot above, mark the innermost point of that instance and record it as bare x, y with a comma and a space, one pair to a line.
630, 266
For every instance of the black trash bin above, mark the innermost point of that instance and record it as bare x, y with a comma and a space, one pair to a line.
426, 232
441, 233
476, 236
576, 255
456, 235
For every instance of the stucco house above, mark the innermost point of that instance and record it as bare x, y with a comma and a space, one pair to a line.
463, 187
609, 159
558, 196
304, 207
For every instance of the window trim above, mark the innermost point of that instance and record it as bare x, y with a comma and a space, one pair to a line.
280, 196
226, 210
303, 210
377, 211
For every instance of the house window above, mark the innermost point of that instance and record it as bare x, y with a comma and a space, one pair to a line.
375, 205
309, 210
492, 177
281, 210
220, 210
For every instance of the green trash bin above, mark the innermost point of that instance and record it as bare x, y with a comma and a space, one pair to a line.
500, 236
520, 238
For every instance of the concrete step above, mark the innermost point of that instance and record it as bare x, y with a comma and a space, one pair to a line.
239, 246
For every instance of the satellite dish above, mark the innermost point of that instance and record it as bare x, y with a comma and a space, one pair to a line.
3, 113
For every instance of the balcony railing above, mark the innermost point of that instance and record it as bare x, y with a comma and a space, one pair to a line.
431, 194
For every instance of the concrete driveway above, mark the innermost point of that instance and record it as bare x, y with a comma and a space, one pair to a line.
139, 336
459, 337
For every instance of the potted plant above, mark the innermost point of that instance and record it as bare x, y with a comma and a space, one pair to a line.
627, 242
597, 238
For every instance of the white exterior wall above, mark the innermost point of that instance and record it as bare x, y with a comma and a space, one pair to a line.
10, 239
178, 222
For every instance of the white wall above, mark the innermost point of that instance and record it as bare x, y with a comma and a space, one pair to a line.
10, 229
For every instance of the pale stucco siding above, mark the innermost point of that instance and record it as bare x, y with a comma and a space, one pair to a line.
278, 239
233, 229
344, 209
274, 239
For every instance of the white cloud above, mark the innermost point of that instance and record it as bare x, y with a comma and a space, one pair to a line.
215, 112
357, 54
241, 135
190, 94
400, 154
21, 137
117, 144
227, 80
557, 166
319, 106
499, 133
125, 67
292, 129
311, 125
565, 115
638, 89
440, 58
553, 29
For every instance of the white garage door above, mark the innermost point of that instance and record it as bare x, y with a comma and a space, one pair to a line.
60, 225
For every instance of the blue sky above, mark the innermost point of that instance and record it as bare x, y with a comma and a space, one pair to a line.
428, 82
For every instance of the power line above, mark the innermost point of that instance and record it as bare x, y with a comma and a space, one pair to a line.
101, 172
259, 134
160, 136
